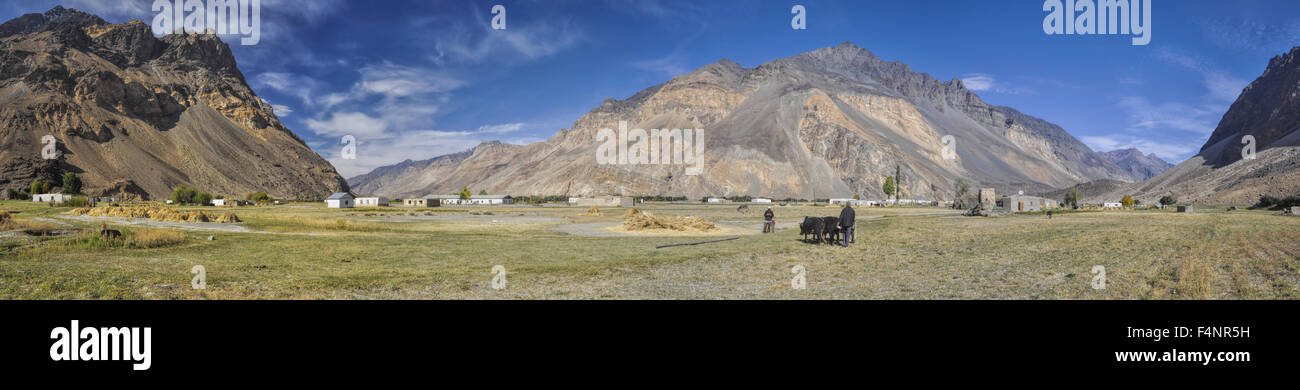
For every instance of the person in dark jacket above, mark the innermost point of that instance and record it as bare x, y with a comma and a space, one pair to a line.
846, 224
768, 216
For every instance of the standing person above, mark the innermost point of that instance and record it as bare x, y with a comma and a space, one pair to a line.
768, 216
846, 223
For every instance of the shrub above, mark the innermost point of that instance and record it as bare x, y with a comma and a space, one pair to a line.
259, 197
1127, 201
1275, 203
1168, 200
154, 238
36, 187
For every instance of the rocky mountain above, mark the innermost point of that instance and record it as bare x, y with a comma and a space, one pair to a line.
136, 115
1269, 110
1139, 166
833, 122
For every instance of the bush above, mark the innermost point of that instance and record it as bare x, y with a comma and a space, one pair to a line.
1168, 200
36, 187
1127, 201
259, 197
1274, 203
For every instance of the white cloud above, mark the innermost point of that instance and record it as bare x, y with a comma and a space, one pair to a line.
1220, 85
978, 81
281, 110
400, 81
349, 123
461, 43
982, 82
672, 65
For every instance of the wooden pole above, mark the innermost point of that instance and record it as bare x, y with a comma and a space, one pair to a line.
696, 242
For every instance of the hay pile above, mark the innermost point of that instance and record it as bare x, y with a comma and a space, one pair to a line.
635, 220
591, 212
154, 213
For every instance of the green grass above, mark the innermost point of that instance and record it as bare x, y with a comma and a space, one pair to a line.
300, 251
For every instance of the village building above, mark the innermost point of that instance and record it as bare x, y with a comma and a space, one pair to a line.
760, 200
491, 199
840, 200
1024, 203
341, 200
1112, 205
423, 201
717, 200
46, 198
371, 201
223, 202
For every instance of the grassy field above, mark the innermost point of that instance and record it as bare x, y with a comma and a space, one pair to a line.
304, 251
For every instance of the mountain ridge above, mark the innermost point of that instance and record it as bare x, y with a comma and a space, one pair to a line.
135, 114
830, 122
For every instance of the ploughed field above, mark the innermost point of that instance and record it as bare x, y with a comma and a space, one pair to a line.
304, 251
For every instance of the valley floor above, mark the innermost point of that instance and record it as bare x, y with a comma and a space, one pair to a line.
304, 251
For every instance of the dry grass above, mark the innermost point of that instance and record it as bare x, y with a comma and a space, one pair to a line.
302, 251
635, 220
154, 238
8, 222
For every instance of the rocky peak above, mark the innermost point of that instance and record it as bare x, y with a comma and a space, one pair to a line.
1267, 109
50, 20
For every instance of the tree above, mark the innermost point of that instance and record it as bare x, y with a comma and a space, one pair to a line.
1127, 201
889, 186
465, 194
962, 188
71, 183
185, 195
36, 187
203, 198
1072, 197
45, 187
482, 192
1168, 200
898, 182
856, 197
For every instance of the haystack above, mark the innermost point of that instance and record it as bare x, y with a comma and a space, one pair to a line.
591, 212
636, 220
153, 213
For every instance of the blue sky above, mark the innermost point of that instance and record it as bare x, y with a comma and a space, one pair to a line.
417, 79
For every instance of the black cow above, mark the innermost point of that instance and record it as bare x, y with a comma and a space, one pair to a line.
831, 229
808, 226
